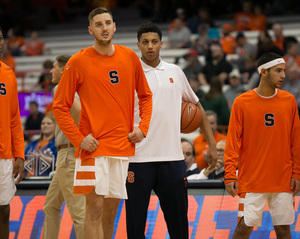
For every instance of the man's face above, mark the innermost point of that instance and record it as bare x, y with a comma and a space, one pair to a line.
213, 123
33, 108
56, 72
187, 150
149, 45
234, 81
102, 28
276, 75
220, 151
1, 44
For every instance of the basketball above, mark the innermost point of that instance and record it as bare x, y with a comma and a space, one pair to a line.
190, 117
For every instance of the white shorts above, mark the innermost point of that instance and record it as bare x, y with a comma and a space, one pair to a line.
109, 180
281, 206
7, 182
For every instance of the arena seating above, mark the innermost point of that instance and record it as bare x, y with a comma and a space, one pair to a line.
69, 38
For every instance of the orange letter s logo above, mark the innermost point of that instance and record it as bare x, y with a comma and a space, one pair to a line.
130, 177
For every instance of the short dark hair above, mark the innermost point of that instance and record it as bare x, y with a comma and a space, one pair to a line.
148, 27
97, 11
193, 148
62, 60
267, 57
290, 41
1, 29
34, 103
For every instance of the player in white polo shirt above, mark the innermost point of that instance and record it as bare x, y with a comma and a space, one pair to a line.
158, 163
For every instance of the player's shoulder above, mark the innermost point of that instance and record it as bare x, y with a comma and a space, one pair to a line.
8, 73
170, 67
244, 97
283, 93
6, 68
126, 52
124, 49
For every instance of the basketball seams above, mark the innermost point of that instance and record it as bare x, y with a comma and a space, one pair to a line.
192, 123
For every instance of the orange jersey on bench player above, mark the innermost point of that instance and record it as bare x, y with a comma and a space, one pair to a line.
11, 131
106, 86
263, 134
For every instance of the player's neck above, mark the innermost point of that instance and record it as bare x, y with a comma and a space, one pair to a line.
105, 50
154, 63
265, 90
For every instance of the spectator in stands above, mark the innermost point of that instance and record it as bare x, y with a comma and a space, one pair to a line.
227, 39
243, 49
200, 19
34, 119
258, 20
215, 100
292, 52
195, 85
201, 145
193, 65
8, 58
43, 150
235, 85
249, 71
217, 65
14, 42
292, 82
189, 157
243, 18
45, 79
279, 37
265, 44
213, 172
33, 47
180, 13
202, 41
180, 36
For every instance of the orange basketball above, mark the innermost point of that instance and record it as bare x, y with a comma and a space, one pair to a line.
190, 117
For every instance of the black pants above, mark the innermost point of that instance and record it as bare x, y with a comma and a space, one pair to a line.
168, 181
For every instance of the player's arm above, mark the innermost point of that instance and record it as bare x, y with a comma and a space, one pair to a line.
231, 153
75, 111
212, 155
18, 169
232, 187
63, 101
145, 97
16, 125
295, 151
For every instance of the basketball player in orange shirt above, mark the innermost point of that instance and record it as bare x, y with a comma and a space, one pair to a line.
106, 77
264, 135
11, 141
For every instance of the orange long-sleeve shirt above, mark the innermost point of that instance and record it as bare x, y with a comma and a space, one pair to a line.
106, 86
11, 131
264, 134
201, 146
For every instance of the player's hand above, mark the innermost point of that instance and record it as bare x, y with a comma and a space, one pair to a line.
231, 188
89, 143
136, 135
295, 186
18, 169
212, 156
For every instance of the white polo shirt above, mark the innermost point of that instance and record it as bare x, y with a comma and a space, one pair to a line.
169, 87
